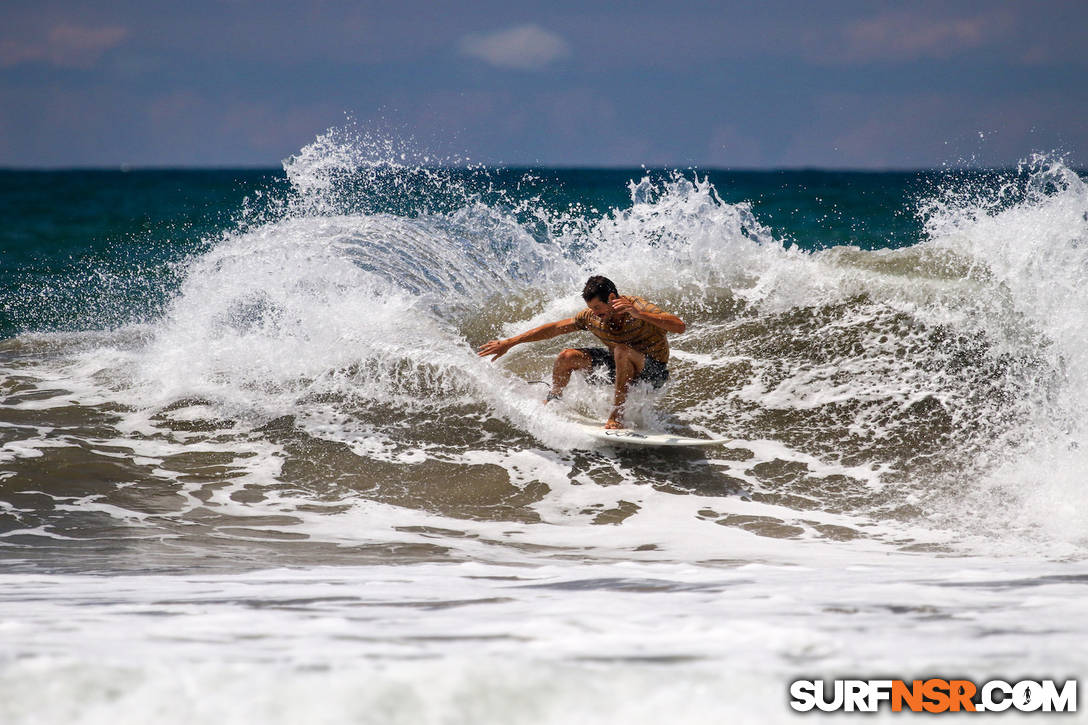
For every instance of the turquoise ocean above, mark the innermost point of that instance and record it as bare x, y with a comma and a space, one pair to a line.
251, 469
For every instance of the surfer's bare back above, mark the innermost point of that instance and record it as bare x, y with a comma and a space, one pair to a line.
633, 330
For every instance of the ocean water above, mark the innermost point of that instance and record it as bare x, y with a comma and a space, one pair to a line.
251, 469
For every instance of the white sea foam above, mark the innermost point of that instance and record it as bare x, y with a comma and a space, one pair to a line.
482, 643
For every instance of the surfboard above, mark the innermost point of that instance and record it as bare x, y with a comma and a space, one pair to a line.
631, 437
595, 429
634, 437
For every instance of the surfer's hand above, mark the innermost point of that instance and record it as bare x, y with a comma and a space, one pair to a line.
497, 348
624, 304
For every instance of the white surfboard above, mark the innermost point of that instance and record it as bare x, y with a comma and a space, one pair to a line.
631, 437
595, 429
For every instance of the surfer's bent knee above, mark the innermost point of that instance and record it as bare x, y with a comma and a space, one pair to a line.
573, 357
623, 353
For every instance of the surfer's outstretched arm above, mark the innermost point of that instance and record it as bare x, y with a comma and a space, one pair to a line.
498, 348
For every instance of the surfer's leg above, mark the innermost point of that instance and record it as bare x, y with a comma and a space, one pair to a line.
629, 364
566, 363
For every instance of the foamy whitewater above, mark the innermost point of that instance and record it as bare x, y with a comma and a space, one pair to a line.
297, 495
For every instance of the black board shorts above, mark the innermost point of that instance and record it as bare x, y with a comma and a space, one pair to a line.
653, 372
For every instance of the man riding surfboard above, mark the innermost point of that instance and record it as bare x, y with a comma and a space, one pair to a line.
633, 330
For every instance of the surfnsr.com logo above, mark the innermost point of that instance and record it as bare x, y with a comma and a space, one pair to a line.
933, 695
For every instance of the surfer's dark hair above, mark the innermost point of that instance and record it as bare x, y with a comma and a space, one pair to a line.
599, 287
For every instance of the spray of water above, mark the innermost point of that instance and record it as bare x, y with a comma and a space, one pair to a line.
945, 376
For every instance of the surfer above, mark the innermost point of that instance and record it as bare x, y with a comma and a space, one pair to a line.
633, 330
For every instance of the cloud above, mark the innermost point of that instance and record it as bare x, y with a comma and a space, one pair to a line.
900, 35
65, 46
525, 47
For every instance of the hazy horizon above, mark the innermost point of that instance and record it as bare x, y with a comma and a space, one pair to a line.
776, 85
130, 168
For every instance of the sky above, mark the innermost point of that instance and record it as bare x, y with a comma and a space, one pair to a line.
829, 84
